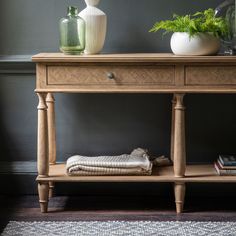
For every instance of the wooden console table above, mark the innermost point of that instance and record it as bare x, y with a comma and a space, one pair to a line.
128, 73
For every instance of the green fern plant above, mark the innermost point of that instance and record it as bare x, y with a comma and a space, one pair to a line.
203, 22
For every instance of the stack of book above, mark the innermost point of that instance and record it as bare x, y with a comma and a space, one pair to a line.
226, 165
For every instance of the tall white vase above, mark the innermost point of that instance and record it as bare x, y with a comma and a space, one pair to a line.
96, 25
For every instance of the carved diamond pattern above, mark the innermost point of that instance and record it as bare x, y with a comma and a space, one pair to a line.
124, 75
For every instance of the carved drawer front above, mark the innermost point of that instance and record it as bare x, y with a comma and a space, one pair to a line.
110, 75
210, 75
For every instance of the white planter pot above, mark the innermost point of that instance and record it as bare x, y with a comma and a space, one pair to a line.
96, 25
201, 44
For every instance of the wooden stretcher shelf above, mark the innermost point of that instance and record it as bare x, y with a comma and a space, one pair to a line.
194, 173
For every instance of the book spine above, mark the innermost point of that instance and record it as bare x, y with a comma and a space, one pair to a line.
217, 168
225, 167
228, 163
224, 172
220, 164
228, 172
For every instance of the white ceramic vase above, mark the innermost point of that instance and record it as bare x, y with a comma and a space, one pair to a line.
96, 25
201, 44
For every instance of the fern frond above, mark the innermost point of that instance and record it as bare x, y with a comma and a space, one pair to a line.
204, 21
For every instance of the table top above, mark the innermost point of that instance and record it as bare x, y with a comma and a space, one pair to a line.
132, 57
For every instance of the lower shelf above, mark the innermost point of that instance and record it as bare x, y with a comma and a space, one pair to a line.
194, 173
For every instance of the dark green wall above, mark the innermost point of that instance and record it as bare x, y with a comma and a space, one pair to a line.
98, 123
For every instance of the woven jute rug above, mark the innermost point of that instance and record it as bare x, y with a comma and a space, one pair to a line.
117, 228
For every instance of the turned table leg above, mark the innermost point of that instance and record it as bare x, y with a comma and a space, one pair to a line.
172, 128
179, 189
51, 135
179, 154
42, 153
43, 189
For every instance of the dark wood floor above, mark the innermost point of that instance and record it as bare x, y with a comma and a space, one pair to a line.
98, 208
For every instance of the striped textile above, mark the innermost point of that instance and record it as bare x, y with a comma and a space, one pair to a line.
136, 163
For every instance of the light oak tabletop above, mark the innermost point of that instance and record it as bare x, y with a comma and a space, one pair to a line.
130, 57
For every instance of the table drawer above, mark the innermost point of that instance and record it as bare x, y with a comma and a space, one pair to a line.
210, 75
83, 75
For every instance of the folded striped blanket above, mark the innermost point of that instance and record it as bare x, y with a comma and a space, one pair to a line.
136, 163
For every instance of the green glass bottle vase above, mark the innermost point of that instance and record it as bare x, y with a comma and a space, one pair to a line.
72, 33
